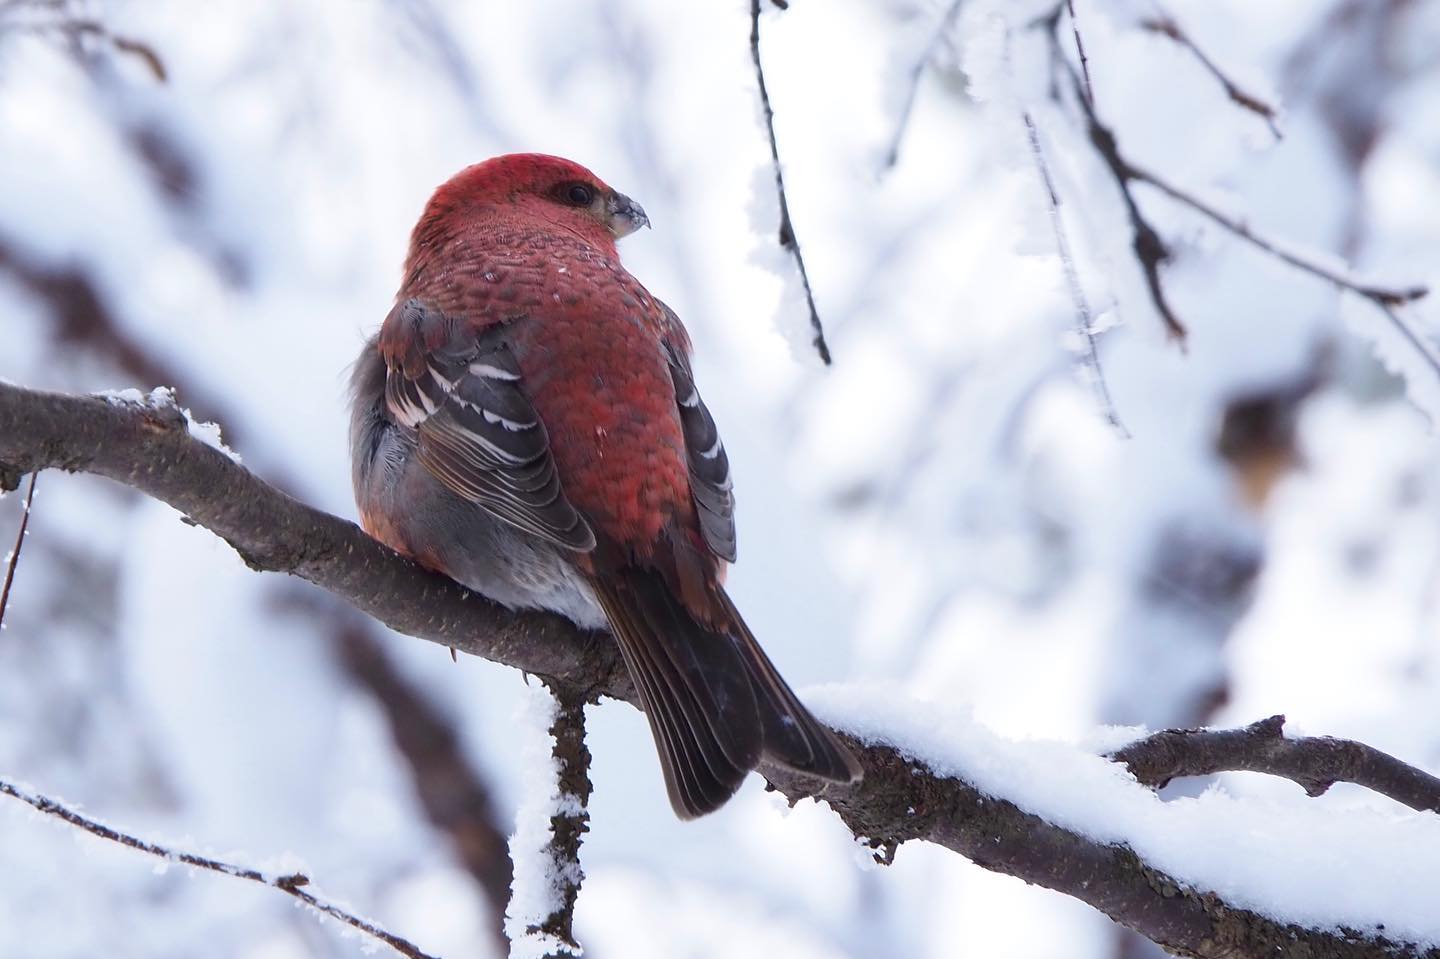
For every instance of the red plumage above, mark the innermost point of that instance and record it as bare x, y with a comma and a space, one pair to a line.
526, 422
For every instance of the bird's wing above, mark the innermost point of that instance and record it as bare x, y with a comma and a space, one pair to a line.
478, 433
710, 484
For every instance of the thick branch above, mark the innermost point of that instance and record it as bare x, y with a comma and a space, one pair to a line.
1314, 762
900, 799
151, 450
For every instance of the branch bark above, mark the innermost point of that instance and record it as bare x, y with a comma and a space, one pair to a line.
899, 799
1315, 763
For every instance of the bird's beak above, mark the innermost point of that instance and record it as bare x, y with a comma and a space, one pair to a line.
625, 215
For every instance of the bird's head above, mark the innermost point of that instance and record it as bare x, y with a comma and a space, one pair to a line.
537, 187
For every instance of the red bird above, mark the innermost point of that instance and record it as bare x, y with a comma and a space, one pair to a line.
526, 422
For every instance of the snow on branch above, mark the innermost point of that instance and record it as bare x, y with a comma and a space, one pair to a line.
292, 884
550, 828
1052, 814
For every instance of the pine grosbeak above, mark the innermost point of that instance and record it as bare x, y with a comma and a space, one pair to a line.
526, 422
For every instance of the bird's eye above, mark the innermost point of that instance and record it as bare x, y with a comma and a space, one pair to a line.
579, 194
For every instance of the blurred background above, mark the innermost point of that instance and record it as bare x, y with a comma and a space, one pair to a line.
216, 197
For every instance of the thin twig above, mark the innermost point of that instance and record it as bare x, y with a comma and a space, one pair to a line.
289, 884
71, 27
1385, 298
787, 236
1085, 319
14, 560
1315, 763
1080, 50
1152, 253
1149, 249
1166, 25
912, 86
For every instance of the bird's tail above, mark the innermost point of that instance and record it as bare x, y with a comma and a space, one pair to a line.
715, 703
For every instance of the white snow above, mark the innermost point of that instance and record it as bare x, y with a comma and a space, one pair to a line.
535, 892
163, 398
1294, 859
942, 507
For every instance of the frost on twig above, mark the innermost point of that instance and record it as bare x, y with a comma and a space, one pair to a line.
1085, 320
292, 884
549, 829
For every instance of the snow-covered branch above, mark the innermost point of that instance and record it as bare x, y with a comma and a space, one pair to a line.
1058, 816
549, 831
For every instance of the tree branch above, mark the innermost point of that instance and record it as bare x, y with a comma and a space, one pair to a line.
571, 819
291, 885
1315, 763
1084, 316
1166, 25
787, 237
900, 799
13, 560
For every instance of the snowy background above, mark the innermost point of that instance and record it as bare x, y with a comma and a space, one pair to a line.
945, 509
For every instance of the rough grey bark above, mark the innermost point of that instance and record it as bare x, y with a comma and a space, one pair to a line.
899, 799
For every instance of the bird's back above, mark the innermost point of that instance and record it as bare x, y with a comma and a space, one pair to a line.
590, 342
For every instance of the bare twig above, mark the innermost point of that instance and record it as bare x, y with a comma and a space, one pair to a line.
1152, 253
912, 85
14, 560
61, 20
900, 798
291, 884
1149, 249
1385, 298
1166, 25
1315, 763
787, 237
1085, 320
1080, 51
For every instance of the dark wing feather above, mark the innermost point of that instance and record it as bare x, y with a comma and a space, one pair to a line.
478, 433
710, 484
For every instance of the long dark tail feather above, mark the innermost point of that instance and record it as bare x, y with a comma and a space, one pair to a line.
793, 736
714, 701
